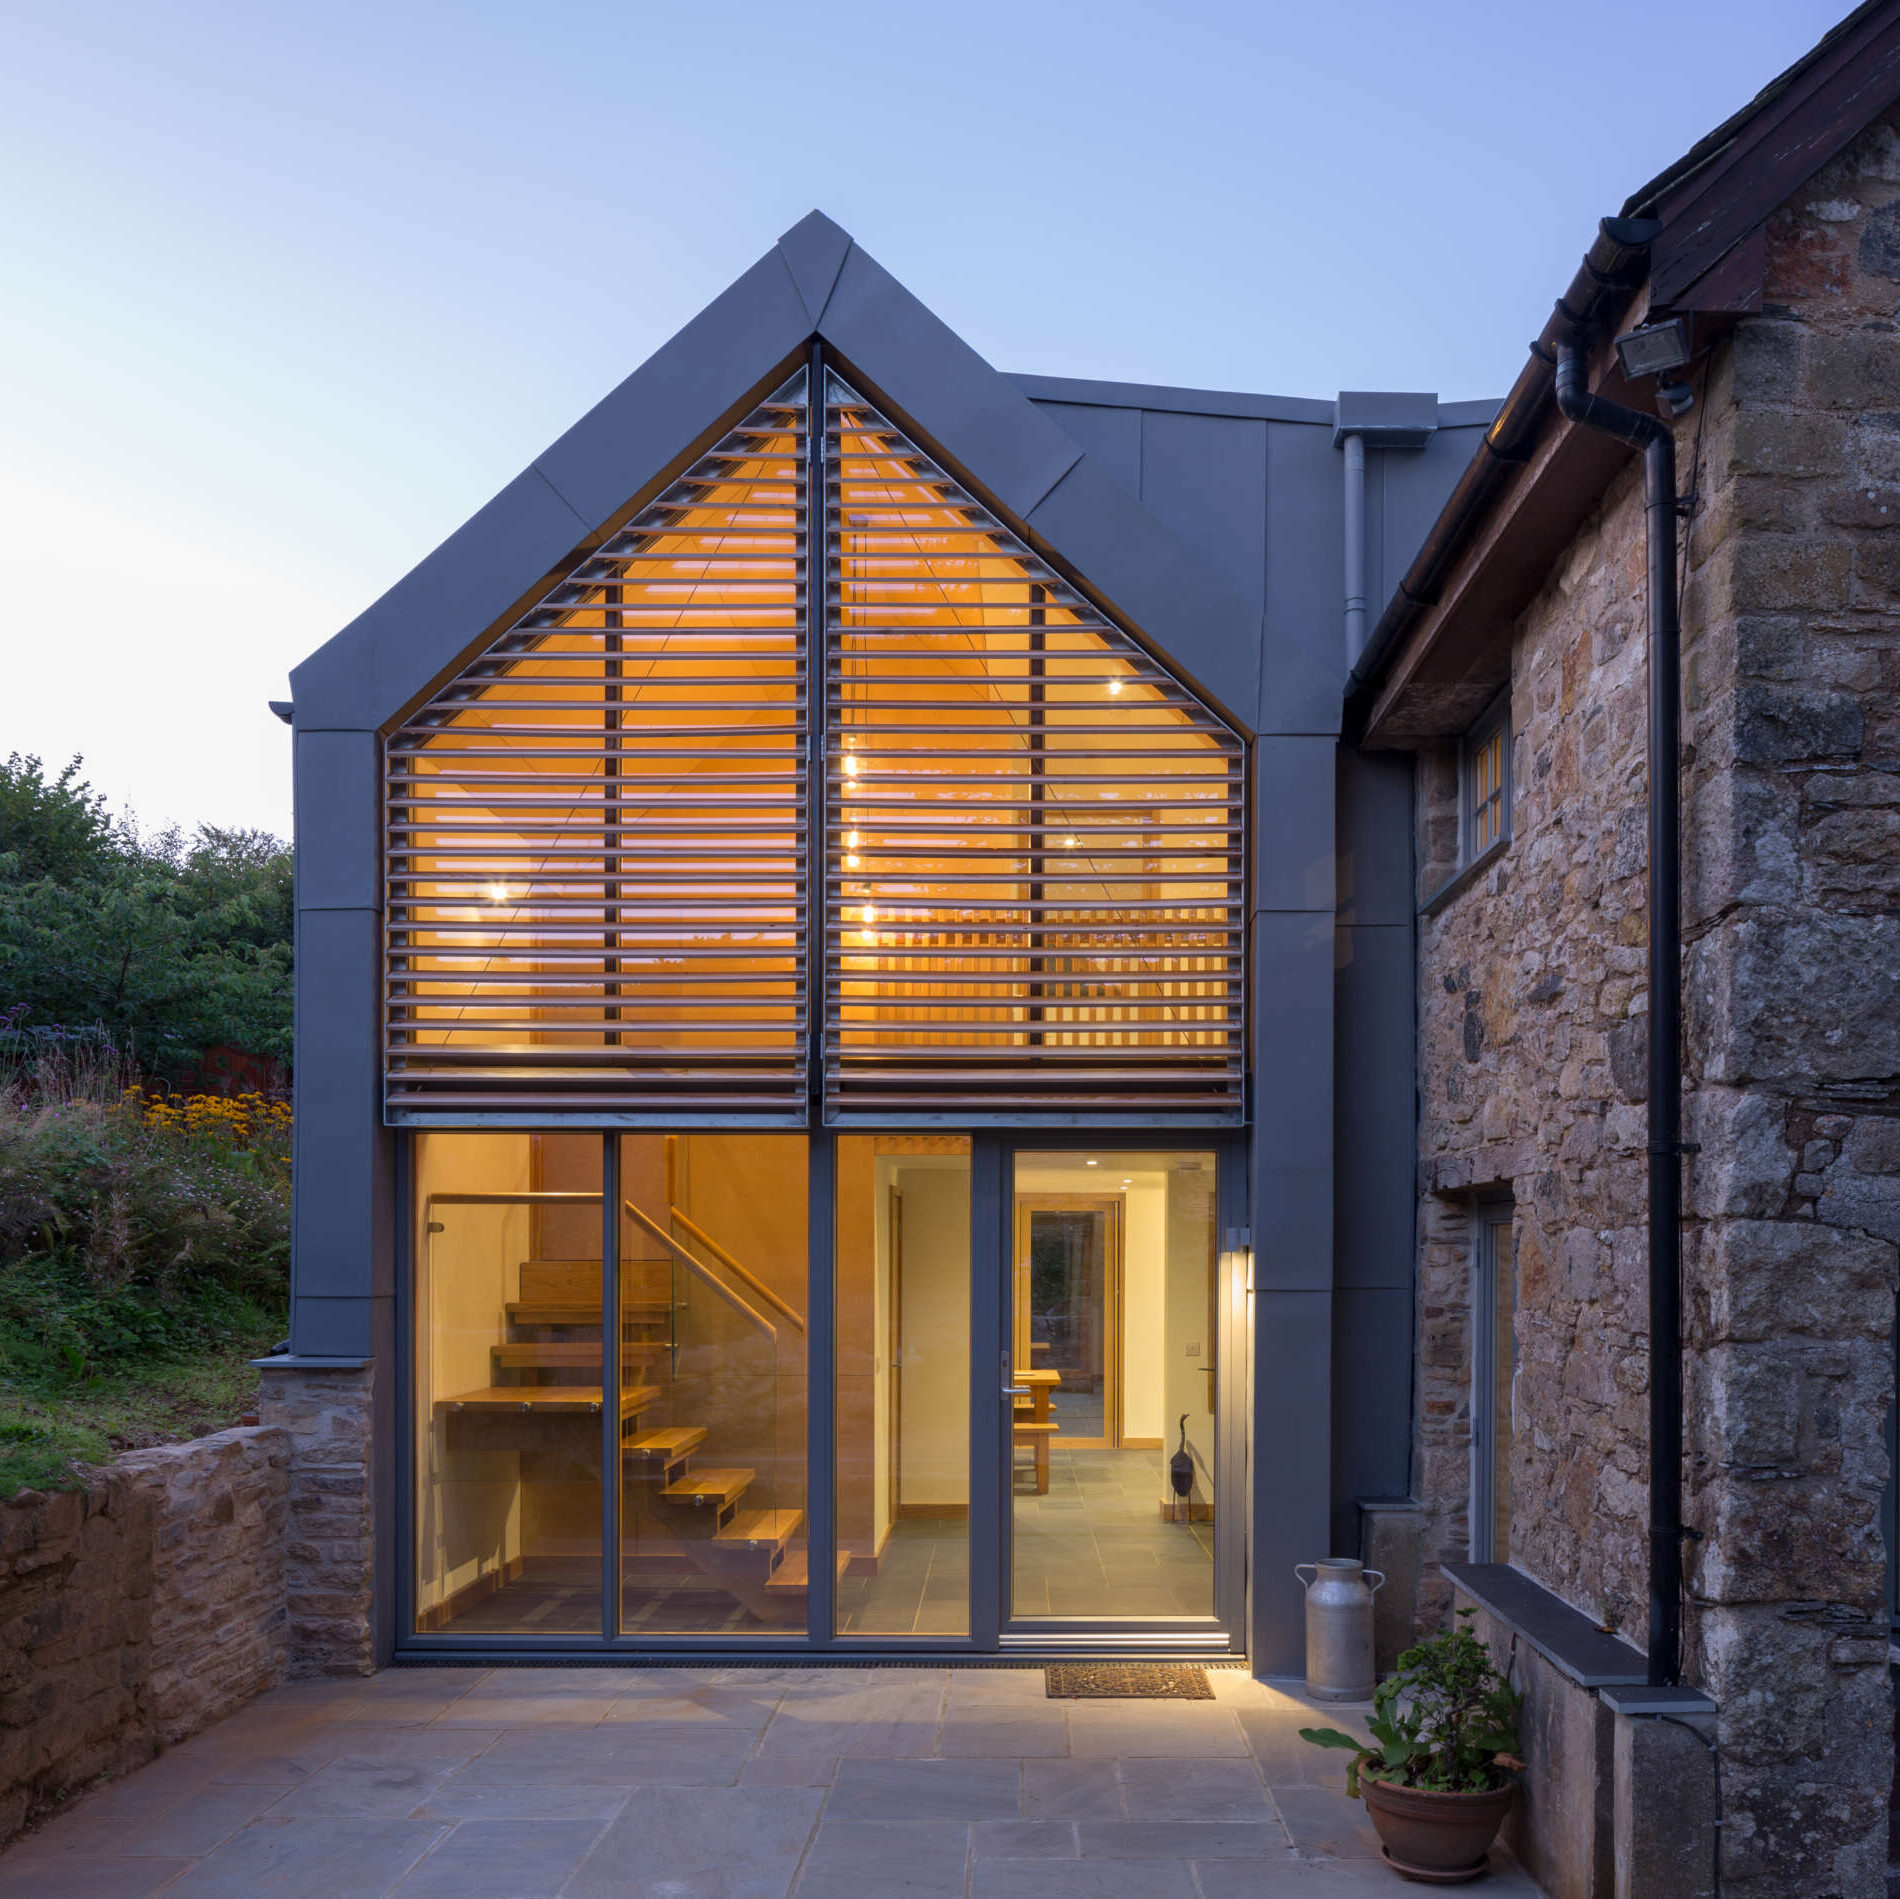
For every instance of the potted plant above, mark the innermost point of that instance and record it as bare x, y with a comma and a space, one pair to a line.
1436, 1774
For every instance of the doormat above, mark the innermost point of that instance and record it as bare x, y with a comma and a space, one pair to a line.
1125, 1681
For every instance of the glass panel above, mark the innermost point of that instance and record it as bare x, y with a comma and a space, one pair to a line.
507, 1296
1112, 1335
903, 1385
713, 1307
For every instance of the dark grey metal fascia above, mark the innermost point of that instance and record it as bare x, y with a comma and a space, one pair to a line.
1226, 403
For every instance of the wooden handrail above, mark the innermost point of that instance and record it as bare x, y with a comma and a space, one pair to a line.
725, 1259
700, 1267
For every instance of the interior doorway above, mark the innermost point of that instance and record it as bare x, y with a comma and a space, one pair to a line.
1068, 1307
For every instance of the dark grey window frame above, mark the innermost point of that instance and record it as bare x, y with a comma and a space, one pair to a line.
992, 1631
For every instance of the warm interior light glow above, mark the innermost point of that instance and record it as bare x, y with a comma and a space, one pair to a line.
597, 831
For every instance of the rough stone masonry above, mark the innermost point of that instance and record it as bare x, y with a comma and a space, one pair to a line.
138, 1610
1533, 1012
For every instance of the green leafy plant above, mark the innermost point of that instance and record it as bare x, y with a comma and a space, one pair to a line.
1446, 1721
144, 1248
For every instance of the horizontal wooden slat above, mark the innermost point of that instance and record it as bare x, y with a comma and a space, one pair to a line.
596, 834
1034, 849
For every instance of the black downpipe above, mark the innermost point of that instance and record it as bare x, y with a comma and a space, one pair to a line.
1658, 444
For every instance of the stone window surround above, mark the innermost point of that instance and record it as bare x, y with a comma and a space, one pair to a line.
1483, 1210
1470, 866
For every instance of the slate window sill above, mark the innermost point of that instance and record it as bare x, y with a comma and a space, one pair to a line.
1565, 1637
1464, 877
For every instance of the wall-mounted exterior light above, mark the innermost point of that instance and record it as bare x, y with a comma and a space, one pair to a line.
1659, 350
1237, 1243
1654, 349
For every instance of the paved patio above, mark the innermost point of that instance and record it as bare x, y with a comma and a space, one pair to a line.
708, 1783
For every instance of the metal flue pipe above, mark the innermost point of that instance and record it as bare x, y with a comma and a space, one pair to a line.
1658, 444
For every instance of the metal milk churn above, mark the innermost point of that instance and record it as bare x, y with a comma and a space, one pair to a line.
1339, 1628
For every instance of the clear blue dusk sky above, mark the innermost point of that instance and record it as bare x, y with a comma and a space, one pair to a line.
288, 289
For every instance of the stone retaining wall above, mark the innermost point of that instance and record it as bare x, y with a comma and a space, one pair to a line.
138, 1610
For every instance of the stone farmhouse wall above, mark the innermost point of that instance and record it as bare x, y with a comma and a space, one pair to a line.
1533, 1012
138, 1610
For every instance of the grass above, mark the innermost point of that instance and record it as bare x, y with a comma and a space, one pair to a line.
144, 1243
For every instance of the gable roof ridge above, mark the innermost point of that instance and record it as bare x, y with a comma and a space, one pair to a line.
816, 281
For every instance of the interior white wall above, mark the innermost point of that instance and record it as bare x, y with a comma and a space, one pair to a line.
884, 1178
1190, 1217
1144, 1304
934, 1309
468, 1504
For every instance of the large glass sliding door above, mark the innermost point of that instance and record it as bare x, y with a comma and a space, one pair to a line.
1083, 1492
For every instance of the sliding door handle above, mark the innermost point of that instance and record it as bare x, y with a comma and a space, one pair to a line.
1019, 1391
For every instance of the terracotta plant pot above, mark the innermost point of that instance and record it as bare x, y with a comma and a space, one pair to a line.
1440, 1839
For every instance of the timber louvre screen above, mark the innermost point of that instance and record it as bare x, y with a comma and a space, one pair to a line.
1034, 834
599, 834
596, 834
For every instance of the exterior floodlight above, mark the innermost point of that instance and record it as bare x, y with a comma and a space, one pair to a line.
1653, 349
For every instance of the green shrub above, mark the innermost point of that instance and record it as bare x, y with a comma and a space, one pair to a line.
144, 1255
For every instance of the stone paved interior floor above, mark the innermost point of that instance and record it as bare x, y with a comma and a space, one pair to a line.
706, 1783
1095, 1544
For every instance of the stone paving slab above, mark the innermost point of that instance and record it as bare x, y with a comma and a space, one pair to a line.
725, 1783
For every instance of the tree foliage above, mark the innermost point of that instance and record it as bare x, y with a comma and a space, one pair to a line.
167, 945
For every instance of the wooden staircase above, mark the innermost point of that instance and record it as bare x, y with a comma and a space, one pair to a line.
546, 1394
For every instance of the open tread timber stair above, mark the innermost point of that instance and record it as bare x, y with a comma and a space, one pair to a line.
793, 1575
667, 1445
555, 1331
709, 1489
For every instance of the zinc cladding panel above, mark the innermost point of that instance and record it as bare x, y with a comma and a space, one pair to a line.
595, 835
1034, 834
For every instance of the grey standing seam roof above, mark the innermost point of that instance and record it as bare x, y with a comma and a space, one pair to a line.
817, 281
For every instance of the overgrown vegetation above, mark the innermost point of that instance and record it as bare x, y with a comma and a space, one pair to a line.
167, 945
144, 1254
